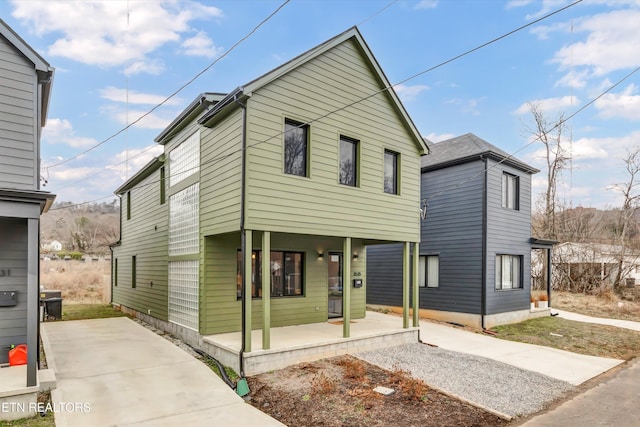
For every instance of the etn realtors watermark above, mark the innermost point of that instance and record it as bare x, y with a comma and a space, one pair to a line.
44, 407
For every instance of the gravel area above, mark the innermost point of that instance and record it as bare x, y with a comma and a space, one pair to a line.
492, 384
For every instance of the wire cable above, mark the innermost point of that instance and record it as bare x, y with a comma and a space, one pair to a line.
390, 87
177, 91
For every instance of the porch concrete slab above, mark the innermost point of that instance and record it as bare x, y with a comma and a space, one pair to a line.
559, 364
116, 372
626, 324
300, 336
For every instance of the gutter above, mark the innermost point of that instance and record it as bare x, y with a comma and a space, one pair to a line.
245, 279
483, 298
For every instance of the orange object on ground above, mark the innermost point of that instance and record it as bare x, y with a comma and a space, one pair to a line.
18, 355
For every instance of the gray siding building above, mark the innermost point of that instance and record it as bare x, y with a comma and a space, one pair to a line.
475, 250
25, 84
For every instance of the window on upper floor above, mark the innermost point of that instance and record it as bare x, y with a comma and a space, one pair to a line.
429, 273
128, 204
348, 161
510, 191
508, 272
296, 145
184, 210
391, 172
184, 160
162, 186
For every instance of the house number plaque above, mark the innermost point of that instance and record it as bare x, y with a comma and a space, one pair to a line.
5, 272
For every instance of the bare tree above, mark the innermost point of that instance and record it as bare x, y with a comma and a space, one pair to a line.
630, 205
550, 134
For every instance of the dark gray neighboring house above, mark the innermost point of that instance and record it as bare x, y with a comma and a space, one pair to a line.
25, 85
475, 250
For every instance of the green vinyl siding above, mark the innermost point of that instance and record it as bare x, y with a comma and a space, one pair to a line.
285, 203
18, 101
220, 175
145, 237
220, 309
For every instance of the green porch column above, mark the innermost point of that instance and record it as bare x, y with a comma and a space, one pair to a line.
246, 277
416, 289
346, 288
406, 262
266, 290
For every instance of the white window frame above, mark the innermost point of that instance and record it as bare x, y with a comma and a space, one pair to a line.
508, 272
429, 273
510, 191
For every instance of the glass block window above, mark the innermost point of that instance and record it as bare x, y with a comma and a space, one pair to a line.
183, 221
184, 160
183, 293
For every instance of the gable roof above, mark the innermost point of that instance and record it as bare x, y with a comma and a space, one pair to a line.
43, 69
197, 106
245, 91
467, 148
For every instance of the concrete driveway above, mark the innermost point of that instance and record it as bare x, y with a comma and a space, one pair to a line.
114, 372
562, 365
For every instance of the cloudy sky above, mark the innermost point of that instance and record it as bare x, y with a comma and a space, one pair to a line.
117, 60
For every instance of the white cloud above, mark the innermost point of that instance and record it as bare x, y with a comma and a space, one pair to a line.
60, 131
611, 43
201, 45
127, 163
426, 4
150, 121
625, 104
574, 79
65, 174
517, 3
409, 93
549, 104
467, 105
433, 137
153, 67
111, 33
120, 95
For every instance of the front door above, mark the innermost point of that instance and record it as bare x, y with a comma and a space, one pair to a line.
335, 284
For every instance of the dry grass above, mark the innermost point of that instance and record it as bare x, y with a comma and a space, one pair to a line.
577, 337
625, 305
80, 282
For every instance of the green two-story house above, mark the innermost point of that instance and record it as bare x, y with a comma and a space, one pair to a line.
259, 211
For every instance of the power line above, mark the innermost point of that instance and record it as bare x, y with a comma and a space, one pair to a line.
386, 88
177, 91
556, 126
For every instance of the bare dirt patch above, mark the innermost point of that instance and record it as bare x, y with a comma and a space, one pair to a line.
339, 392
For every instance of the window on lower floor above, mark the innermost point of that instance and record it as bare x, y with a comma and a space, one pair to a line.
508, 271
133, 271
115, 272
429, 274
183, 293
286, 275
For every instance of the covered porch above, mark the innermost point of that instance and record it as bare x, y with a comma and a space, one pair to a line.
290, 345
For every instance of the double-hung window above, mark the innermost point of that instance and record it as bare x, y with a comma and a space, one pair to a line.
296, 142
510, 191
391, 172
429, 273
348, 161
508, 271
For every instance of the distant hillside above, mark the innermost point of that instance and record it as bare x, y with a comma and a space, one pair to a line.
86, 228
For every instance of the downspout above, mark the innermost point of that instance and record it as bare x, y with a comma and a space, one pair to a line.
113, 279
243, 249
483, 298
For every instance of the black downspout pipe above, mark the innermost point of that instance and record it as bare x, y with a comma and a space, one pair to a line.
483, 302
245, 279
